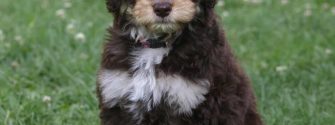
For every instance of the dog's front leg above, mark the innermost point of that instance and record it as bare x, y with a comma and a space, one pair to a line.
115, 116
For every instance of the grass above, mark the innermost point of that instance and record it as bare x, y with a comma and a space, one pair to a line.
289, 57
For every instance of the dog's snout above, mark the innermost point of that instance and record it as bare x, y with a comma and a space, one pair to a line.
162, 9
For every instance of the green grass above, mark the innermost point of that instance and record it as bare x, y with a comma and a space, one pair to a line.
287, 55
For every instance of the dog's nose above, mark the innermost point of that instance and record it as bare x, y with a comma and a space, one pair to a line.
162, 9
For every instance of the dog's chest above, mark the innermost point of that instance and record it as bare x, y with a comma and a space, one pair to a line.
146, 87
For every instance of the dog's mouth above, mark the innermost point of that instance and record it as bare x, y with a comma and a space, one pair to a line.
163, 20
164, 27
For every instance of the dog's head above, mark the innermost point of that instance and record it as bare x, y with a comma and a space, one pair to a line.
159, 15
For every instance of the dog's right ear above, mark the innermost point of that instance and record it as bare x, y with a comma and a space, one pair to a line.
113, 6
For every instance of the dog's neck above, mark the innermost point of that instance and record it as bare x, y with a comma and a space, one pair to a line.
151, 43
147, 39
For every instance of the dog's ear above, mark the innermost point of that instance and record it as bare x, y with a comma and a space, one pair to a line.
212, 3
209, 3
113, 6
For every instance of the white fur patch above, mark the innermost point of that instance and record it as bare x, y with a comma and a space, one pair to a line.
145, 86
144, 77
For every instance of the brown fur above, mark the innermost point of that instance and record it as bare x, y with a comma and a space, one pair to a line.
200, 52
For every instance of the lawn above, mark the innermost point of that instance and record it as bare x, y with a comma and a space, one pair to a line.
50, 52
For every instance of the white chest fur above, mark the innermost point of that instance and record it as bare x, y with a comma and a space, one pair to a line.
145, 86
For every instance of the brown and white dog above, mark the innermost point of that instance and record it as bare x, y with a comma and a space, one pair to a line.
166, 62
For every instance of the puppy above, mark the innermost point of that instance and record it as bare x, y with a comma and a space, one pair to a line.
167, 62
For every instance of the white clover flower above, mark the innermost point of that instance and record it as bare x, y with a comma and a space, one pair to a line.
80, 37
15, 64
325, 6
281, 68
46, 99
111, 25
253, 1
225, 13
18, 38
220, 3
308, 12
284, 2
67, 4
60, 13
70, 28
256, 1
333, 10
2, 35
328, 51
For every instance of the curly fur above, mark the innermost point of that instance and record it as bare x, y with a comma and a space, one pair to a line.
199, 52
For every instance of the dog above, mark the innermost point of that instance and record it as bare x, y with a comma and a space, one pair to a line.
167, 62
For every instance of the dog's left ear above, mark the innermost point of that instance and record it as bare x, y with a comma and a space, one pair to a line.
212, 3
209, 3
113, 6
